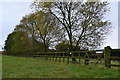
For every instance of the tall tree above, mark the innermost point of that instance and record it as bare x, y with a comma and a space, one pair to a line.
42, 27
83, 22
48, 30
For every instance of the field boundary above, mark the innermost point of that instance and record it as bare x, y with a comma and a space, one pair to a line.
107, 54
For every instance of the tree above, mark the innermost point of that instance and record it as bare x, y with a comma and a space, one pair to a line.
42, 26
65, 47
83, 22
18, 43
27, 24
62, 47
48, 29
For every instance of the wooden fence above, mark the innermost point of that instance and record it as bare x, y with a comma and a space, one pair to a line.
60, 56
107, 54
3, 52
111, 54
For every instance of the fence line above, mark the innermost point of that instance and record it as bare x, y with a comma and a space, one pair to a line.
86, 55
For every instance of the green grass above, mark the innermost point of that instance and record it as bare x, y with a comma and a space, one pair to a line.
21, 67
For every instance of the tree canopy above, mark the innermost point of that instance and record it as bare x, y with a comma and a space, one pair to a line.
42, 27
82, 22
18, 43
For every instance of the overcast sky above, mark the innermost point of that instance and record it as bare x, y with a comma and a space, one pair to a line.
12, 12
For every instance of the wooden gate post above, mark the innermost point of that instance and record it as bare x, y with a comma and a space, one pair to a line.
107, 57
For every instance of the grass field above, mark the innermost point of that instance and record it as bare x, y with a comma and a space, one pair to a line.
21, 67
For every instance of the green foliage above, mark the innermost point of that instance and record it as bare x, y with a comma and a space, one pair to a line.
65, 47
83, 22
18, 43
42, 27
62, 47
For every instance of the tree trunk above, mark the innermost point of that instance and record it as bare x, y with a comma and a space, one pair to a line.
45, 50
71, 48
44, 46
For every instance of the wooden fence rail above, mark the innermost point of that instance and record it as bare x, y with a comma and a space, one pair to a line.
107, 54
86, 55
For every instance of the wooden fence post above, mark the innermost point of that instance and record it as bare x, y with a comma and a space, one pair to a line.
45, 56
79, 58
107, 57
55, 56
50, 56
63, 57
42, 56
71, 54
59, 58
67, 57
86, 59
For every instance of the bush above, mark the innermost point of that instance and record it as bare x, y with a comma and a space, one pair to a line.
18, 43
